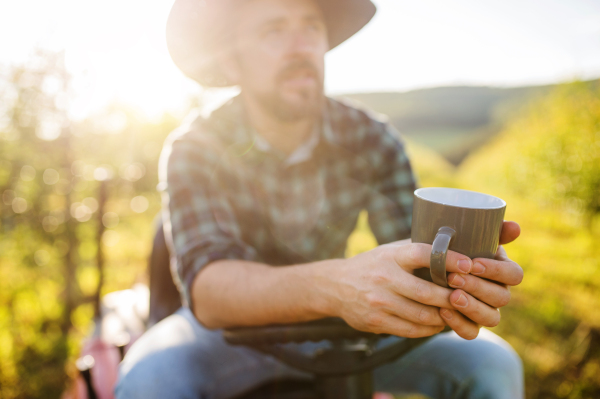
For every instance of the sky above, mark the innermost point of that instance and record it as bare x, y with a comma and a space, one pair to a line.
116, 48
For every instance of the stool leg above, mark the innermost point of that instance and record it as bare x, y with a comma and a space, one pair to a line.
85, 366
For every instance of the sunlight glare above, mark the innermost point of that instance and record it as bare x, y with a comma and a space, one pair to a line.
116, 49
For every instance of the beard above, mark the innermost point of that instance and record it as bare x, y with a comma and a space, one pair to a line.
307, 101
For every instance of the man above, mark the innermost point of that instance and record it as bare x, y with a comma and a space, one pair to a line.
277, 177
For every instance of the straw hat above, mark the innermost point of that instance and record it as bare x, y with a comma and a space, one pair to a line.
198, 31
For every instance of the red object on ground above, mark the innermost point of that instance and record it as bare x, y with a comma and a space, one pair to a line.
382, 395
104, 372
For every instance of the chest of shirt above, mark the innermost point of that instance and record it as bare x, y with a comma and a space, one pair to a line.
308, 209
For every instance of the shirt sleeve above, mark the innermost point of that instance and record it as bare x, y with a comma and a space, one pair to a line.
200, 223
390, 202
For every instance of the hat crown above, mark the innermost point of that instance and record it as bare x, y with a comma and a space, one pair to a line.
197, 33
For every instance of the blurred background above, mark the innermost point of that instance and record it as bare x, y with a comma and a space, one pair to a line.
498, 97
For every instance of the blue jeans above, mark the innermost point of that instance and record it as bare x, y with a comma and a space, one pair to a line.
179, 358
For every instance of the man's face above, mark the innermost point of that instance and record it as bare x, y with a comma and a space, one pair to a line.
279, 58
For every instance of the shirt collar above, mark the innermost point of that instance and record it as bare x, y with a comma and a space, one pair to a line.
302, 153
256, 147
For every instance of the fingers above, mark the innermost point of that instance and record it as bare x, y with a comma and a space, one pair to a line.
510, 232
404, 308
383, 323
416, 256
474, 309
406, 241
415, 312
464, 327
493, 294
501, 254
423, 291
503, 271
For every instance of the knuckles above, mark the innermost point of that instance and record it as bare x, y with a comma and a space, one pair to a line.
508, 271
519, 275
380, 278
417, 252
426, 316
474, 283
412, 332
495, 272
494, 320
376, 301
470, 335
504, 298
373, 322
468, 332
383, 255
423, 292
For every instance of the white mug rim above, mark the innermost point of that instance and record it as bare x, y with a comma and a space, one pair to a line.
419, 193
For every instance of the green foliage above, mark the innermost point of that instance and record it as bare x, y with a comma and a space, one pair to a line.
70, 228
558, 157
546, 165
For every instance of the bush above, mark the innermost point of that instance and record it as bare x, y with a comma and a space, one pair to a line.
546, 165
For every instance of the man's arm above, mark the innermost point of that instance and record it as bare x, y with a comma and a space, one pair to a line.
238, 293
374, 291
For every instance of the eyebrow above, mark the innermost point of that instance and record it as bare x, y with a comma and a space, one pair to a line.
279, 20
314, 17
273, 21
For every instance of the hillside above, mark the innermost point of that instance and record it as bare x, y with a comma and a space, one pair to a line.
451, 120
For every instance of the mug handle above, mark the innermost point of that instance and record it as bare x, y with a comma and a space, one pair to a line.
437, 263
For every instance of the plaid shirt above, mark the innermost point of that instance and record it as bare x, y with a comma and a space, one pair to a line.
228, 198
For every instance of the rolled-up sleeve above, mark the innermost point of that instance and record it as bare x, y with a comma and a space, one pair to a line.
200, 223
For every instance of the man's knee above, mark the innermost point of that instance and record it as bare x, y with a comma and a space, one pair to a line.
166, 361
500, 353
487, 367
499, 371
162, 374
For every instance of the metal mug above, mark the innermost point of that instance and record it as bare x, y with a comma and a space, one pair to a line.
463, 221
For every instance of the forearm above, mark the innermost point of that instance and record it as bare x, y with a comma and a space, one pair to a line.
230, 293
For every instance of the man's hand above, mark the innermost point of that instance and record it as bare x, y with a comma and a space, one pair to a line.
486, 287
376, 291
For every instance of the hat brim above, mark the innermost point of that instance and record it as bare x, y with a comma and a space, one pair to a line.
196, 38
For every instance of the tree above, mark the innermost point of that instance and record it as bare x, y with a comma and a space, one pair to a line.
66, 187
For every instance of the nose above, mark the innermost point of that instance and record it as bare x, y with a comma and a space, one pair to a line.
301, 42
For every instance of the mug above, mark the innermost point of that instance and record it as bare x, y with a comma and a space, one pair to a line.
463, 221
